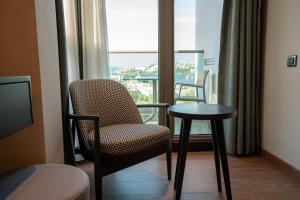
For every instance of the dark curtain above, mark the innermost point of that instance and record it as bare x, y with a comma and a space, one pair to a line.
239, 73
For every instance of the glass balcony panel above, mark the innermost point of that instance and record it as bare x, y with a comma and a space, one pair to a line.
138, 72
197, 27
187, 66
132, 27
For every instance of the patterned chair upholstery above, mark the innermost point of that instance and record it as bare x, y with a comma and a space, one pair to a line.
124, 138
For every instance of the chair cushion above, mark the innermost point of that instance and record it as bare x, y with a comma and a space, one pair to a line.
123, 139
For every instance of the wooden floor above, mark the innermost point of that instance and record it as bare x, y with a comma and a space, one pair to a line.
251, 178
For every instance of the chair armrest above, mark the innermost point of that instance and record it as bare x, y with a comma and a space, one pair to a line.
153, 105
189, 84
83, 117
96, 120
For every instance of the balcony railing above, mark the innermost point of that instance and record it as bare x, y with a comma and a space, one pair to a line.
138, 71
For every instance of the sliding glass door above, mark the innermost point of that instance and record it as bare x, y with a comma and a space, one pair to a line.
196, 40
133, 49
133, 37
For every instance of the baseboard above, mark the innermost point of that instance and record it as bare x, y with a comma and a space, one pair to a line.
281, 164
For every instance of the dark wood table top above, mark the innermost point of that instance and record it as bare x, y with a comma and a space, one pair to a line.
202, 111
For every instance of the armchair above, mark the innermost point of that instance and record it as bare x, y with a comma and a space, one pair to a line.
199, 84
111, 131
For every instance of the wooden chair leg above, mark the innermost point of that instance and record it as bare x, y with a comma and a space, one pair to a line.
169, 163
98, 181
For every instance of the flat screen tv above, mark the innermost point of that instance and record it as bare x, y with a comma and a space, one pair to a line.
15, 104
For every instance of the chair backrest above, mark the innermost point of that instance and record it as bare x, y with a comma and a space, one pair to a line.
106, 98
201, 77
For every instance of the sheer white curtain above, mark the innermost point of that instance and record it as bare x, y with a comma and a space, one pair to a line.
94, 40
69, 9
94, 43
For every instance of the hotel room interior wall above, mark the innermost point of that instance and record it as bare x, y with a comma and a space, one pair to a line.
50, 81
19, 57
281, 91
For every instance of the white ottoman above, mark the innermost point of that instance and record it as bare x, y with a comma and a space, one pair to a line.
53, 182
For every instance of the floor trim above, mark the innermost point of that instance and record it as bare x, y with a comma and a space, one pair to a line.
291, 170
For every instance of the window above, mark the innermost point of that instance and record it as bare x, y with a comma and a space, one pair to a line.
133, 46
196, 39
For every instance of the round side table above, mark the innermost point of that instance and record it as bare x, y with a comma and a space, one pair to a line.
215, 114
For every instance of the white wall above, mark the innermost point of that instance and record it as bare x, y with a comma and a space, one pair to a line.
281, 104
208, 30
50, 82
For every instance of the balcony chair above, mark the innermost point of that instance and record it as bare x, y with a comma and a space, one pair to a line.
111, 131
199, 84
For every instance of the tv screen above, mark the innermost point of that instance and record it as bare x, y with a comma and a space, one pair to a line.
15, 104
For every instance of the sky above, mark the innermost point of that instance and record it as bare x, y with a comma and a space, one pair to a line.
133, 24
